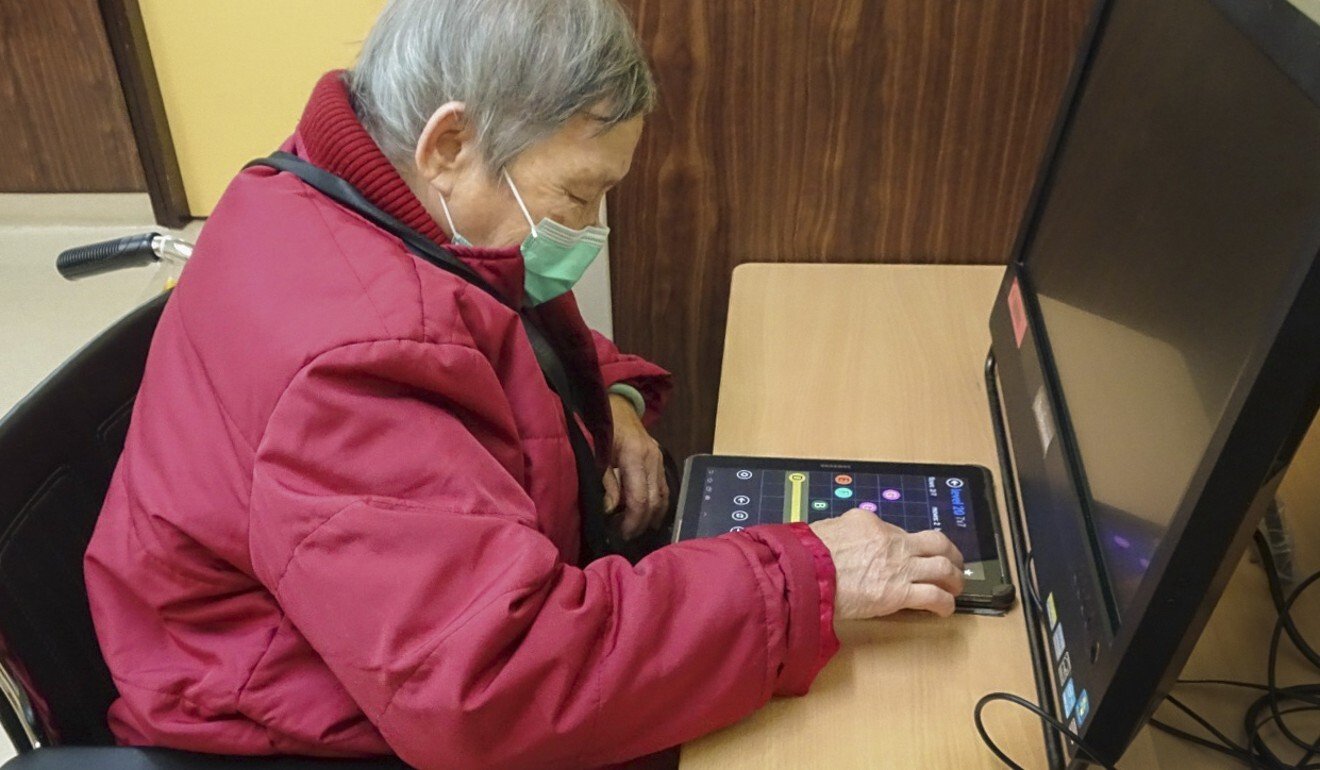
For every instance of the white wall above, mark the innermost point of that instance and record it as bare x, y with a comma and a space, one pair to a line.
593, 293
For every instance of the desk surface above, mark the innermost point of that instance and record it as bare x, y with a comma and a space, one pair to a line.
885, 362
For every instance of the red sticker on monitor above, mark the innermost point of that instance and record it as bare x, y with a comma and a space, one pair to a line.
1018, 312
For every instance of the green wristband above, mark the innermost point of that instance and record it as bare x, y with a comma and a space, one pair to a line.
633, 395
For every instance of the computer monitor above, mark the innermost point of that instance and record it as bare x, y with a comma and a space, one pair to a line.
1156, 343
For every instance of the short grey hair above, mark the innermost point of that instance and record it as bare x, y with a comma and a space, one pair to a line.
522, 67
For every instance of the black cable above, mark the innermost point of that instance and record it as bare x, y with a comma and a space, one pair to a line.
1241, 756
1083, 750
1229, 682
1257, 754
1280, 604
1309, 694
1224, 740
1268, 708
1228, 747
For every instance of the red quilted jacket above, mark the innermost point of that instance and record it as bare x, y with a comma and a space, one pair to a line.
345, 521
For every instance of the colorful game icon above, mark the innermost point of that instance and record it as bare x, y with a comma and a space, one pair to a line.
1083, 707
819, 505
1069, 698
843, 493
843, 479
872, 507
891, 495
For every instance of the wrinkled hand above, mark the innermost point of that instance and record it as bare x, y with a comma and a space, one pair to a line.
881, 569
635, 485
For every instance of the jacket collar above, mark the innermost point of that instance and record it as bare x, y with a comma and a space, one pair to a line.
331, 136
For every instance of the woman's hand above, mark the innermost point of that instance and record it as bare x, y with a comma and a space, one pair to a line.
881, 569
635, 485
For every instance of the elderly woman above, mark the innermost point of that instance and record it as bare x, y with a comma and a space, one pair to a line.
348, 519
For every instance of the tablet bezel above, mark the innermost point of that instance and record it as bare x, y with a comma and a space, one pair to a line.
994, 593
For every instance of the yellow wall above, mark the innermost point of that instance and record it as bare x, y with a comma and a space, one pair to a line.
1310, 8
235, 74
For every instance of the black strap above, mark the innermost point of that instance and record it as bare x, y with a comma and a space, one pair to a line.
591, 492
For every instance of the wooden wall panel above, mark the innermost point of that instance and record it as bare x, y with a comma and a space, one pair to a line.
832, 131
63, 124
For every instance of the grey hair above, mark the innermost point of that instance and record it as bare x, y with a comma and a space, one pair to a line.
522, 67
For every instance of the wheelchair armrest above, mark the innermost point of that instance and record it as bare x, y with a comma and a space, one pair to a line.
123, 758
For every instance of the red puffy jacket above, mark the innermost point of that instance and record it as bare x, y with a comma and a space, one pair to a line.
345, 521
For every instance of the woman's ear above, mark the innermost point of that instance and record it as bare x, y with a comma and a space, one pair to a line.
440, 155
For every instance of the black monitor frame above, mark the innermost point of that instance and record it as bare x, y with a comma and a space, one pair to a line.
1128, 667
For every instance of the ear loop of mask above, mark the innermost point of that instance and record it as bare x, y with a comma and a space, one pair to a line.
521, 205
453, 231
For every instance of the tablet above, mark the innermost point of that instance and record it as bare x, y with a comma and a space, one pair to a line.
722, 494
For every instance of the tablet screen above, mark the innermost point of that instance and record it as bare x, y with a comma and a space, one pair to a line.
734, 498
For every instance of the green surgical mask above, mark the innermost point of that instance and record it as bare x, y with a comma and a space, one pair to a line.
554, 256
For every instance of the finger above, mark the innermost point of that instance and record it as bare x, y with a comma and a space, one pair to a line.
929, 598
655, 506
611, 482
935, 543
655, 476
939, 571
635, 511
662, 511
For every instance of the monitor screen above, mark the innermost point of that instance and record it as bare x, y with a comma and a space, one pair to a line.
1183, 205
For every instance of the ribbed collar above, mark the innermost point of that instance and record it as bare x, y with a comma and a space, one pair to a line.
331, 136
336, 141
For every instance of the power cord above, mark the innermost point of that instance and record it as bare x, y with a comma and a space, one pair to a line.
1269, 709
1276, 702
1256, 754
1018, 700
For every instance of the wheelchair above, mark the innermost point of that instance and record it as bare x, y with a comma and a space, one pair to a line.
58, 449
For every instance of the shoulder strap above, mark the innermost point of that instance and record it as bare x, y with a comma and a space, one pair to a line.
591, 493
340, 191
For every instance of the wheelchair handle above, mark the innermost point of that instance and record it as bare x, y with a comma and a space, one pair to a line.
130, 251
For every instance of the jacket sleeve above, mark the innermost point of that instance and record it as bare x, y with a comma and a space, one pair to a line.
389, 520
653, 382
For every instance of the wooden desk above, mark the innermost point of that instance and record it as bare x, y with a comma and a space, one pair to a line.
885, 362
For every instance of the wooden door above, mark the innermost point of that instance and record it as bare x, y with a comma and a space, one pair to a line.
826, 131
62, 116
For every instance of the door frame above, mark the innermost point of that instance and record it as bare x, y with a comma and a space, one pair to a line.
146, 110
